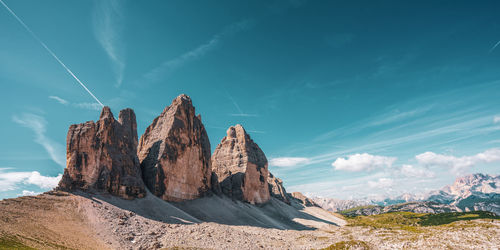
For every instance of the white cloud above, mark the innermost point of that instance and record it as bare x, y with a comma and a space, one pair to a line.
458, 165
381, 183
38, 125
108, 27
412, 171
363, 162
45, 182
8, 181
59, 100
288, 161
496, 119
29, 193
171, 65
12, 180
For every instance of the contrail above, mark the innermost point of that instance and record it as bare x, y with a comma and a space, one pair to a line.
50, 51
491, 50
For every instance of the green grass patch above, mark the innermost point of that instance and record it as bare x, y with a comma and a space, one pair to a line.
12, 243
468, 216
414, 222
398, 220
356, 208
351, 244
446, 218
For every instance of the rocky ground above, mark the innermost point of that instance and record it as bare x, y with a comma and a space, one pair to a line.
94, 222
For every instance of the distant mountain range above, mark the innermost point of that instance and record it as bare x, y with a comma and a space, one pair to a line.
474, 192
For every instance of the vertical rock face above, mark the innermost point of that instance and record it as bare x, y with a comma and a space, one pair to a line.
102, 156
174, 152
276, 188
241, 167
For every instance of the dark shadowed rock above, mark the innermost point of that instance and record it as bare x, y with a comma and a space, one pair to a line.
241, 167
102, 156
276, 188
215, 184
174, 152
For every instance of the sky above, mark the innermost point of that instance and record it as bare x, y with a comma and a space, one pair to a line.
348, 99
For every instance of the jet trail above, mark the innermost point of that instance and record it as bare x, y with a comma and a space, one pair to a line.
491, 50
50, 51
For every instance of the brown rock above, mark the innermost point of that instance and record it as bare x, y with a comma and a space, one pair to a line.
174, 152
241, 167
276, 188
304, 200
102, 156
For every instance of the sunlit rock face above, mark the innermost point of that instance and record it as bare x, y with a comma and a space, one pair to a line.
174, 152
241, 167
102, 156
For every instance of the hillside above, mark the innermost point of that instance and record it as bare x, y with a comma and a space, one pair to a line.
83, 221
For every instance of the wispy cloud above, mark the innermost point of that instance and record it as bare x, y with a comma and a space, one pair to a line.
59, 100
346, 188
418, 172
83, 105
458, 165
38, 125
381, 183
108, 22
288, 161
88, 105
461, 124
363, 162
256, 131
244, 115
171, 65
12, 180
496, 119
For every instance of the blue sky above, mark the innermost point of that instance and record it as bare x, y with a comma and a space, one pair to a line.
348, 99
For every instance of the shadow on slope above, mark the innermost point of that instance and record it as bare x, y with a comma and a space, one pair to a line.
150, 207
273, 214
223, 210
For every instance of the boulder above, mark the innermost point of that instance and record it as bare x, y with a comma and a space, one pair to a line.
102, 156
174, 152
241, 167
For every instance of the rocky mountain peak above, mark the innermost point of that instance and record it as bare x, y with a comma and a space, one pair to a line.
102, 156
174, 152
106, 113
237, 132
241, 167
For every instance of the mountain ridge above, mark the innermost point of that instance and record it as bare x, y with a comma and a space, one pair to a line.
472, 192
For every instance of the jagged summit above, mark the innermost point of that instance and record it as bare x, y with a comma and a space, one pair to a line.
241, 167
106, 113
102, 156
174, 152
